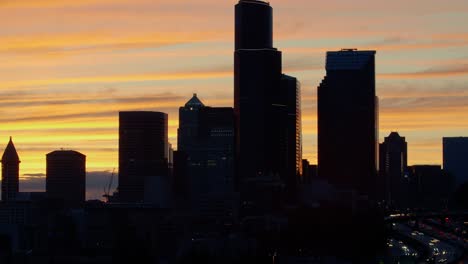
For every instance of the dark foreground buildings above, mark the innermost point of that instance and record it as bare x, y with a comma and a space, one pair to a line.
10, 172
348, 121
429, 187
66, 177
143, 153
455, 158
261, 108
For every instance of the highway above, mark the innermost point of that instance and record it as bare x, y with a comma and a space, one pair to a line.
399, 249
440, 251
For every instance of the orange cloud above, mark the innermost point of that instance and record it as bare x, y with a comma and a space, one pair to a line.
456, 70
118, 78
99, 40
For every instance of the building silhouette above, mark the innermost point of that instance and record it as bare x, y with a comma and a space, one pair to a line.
10, 172
293, 134
455, 158
309, 172
143, 152
348, 121
430, 187
206, 143
189, 124
66, 177
393, 167
261, 109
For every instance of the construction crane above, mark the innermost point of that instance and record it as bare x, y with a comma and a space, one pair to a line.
109, 186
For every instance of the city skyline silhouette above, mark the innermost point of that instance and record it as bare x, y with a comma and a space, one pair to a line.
73, 77
344, 146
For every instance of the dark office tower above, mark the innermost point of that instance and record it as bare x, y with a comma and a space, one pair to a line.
455, 152
66, 177
393, 168
347, 121
188, 123
10, 172
216, 134
430, 187
260, 106
293, 133
143, 152
206, 139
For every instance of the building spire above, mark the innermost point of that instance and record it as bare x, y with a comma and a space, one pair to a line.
194, 102
10, 154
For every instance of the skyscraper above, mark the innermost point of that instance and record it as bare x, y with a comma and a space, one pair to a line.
293, 133
206, 137
348, 121
10, 172
143, 152
66, 177
261, 108
393, 167
455, 152
189, 124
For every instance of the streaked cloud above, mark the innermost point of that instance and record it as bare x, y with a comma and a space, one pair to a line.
436, 72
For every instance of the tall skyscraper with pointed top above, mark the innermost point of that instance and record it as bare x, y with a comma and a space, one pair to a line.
206, 137
188, 123
10, 172
348, 121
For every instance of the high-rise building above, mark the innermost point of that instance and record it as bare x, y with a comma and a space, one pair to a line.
293, 133
66, 177
206, 138
263, 98
189, 124
455, 152
258, 108
10, 172
143, 152
348, 121
393, 168
455, 158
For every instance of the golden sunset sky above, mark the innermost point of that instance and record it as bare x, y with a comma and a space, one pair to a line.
68, 66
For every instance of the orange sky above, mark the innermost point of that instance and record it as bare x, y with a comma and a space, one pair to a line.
68, 67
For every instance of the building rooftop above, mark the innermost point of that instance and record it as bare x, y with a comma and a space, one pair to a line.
456, 138
395, 136
64, 152
194, 102
141, 113
348, 59
254, 2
